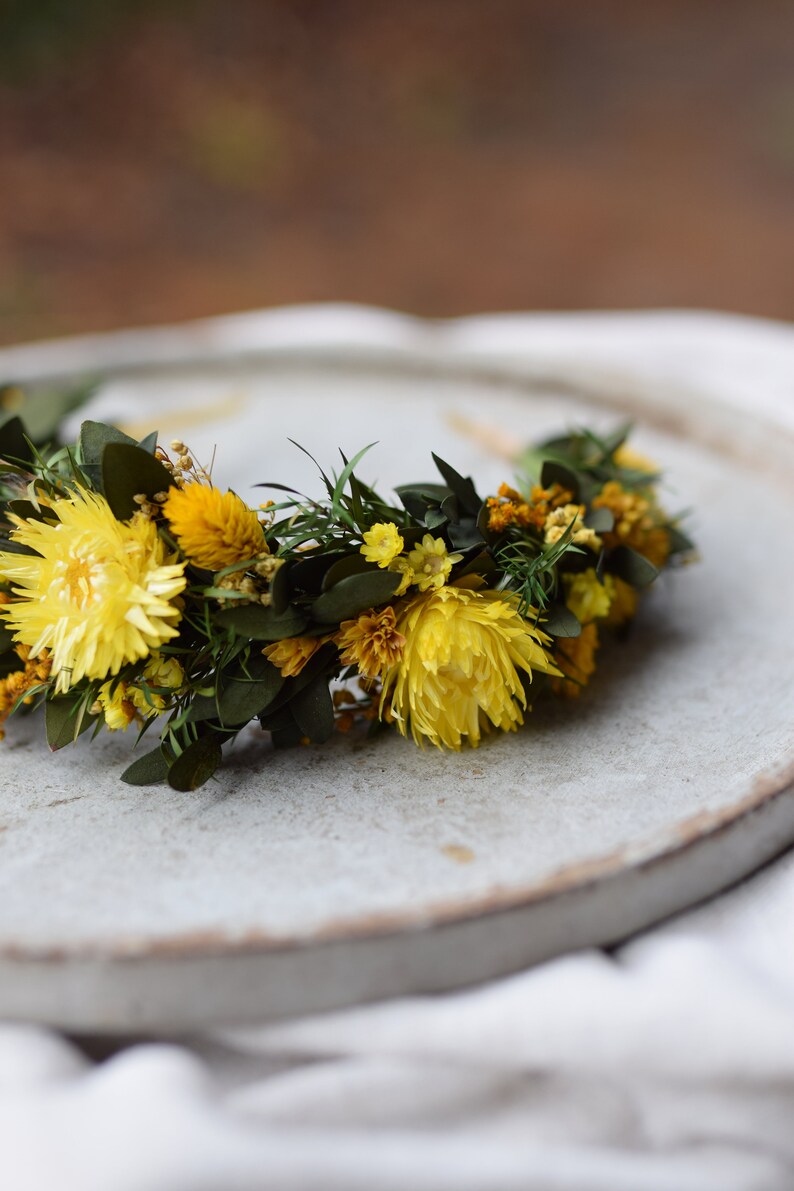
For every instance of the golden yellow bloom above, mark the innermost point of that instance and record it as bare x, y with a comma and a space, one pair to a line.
291, 655
558, 521
576, 658
624, 603
636, 523
99, 592
459, 670
19, 683
626, 456
124, 703
371, 642
382, 543
430, 563
586, 597
214, 529
402, 566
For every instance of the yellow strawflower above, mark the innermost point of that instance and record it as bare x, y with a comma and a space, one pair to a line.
587, 598
624, 602
97, 594
560, 518
124, 703
402, 566
214, 529
17, 685
576, 658
636, 522
291, 655
430, 563
382, 543
459, 672
371, 641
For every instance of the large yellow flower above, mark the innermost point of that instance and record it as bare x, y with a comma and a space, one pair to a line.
214, 529
97, 594
459, 670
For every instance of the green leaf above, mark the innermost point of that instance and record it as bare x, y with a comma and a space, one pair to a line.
26, 510
128, 470
349, 564
600, 520
632, 567
258, 623
463, 487
309, 571
13, 441
354, 595
465, 535
313, 710
243, 695
435, 518
148, 770
280, 589
149, 443
554, 472
559, 621
196, 764
65, 718
95, 436
679, 542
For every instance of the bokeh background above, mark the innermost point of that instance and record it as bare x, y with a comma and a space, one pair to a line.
161, 161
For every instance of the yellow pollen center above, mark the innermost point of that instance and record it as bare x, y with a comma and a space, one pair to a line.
78, 582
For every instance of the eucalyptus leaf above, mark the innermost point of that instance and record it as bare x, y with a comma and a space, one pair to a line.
462, 486
129, 470
95, 436
244, 694
147, 770
630, 566
258, 623
679, 542
280, 589
196, 764
349, 564
313, 710
600, 520
66, 718
354, 595
554, 472
435, 518
14, 445
559, 621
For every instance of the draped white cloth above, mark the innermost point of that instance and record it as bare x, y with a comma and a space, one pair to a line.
667, 1065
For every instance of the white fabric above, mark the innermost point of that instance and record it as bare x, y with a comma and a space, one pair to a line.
666, 1066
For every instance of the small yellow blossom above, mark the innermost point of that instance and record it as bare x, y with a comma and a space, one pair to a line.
125, 703
576, 658
17, 685
291, 655
430, 563
624, 602
98, 592
403, 567
371, 641
459, 673
626, 456
558, 521
636, 523
214, 529
382, 543
587, 598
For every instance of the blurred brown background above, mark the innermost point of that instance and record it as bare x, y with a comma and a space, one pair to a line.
160, 161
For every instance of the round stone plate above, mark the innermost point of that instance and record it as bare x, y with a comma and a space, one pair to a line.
317, 877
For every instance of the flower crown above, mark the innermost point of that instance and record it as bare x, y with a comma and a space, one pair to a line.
134, 591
